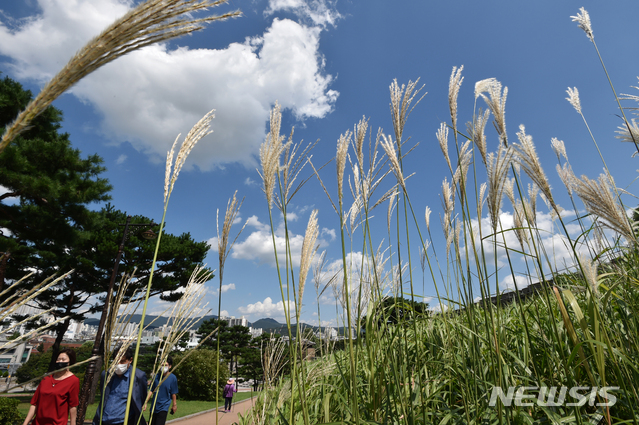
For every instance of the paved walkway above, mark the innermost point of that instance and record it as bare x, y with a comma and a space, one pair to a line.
208, 417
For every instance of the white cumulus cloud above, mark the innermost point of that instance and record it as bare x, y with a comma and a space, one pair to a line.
266, 308
229, 287
149, 96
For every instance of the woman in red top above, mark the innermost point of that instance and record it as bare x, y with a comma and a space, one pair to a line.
57, 395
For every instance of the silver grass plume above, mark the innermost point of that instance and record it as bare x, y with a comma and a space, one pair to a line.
566, 175
518, 222
293, 164
442, 138
600, 236
481, 200
359, 134
309, 247
599, 198
270, 152
573, 98
120, 314
23, 296
340, 161
460, 176
391, 206
629, 133
559, 148
458, 228
318, 272
454, 85
509, 190
427, 213
477, 129
354, 211
401, 99
496, 101
389, 147
625, 96
589, 268
583, 19
186, 312
224, 245
526, 157
357, 183
200, 129
371, 178
497, 166
150, 22
450, 234
449, 203
531, 204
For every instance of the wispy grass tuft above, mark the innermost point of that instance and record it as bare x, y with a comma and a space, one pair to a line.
150, 22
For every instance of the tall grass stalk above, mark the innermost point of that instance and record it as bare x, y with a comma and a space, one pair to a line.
152, 21
224, 246
199, 130
577, 326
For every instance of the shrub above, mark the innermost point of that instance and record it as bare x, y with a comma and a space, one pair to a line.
9, 414
196, 375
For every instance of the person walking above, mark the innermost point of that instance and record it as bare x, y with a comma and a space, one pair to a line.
165, 395
116, 392
229, 389
55, 401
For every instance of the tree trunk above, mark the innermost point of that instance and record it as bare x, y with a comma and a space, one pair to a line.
96, 381
61, 329
3, 268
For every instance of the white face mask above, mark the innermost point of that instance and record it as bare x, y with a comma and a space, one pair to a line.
120, 369
165, 369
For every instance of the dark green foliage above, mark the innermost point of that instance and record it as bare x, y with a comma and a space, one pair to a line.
398, 310
53, 186
250, 364
45, 210
196, 375
177, 258
234, 340
9, 414
51, 229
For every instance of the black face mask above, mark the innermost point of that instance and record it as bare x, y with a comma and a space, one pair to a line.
61, 365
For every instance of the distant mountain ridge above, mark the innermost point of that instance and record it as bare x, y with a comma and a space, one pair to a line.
268, 325
158, 321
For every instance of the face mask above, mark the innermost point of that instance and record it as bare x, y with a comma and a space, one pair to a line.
165, 369
121, 368
61, 365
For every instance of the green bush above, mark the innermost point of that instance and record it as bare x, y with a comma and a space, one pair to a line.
196, 375
9, 414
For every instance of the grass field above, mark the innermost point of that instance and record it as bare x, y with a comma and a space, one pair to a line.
185, 407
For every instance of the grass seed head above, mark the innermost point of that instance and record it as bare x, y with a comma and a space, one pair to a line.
559, 148
573, 98
454, 85
496, 101
150, 22
442, 138
526, 157
583, 19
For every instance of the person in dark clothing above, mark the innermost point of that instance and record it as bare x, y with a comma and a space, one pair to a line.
116, 392
166, 395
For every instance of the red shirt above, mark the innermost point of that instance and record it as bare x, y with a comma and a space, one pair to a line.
53, 399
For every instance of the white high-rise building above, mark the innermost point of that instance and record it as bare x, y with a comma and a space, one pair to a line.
232, 321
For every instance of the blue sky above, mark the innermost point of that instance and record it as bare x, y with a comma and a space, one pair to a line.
328, 63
